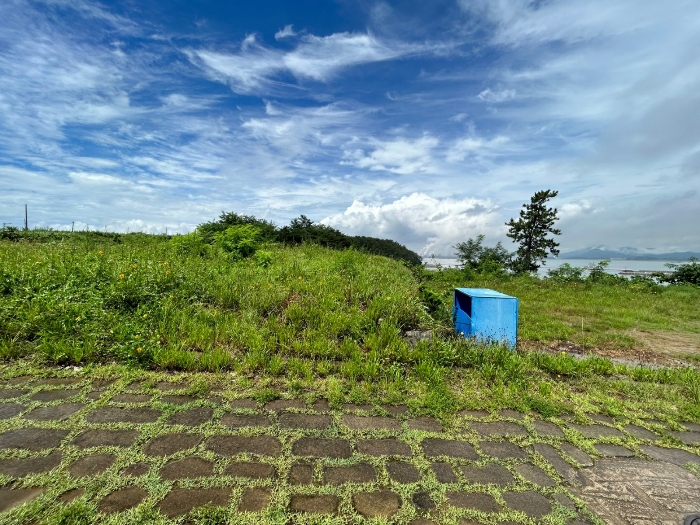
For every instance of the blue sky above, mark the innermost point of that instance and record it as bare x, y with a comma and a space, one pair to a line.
425, 122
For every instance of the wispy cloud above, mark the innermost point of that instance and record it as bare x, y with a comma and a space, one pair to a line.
255, 66
487, 95
285, 32
432, 122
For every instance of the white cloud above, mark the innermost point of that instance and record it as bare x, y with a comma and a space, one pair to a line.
496, 96
424, 223
317, 58
401, 156
572, 210
523, 22
286, 32
477, 147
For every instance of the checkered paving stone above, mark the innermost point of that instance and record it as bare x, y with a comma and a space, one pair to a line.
373, 461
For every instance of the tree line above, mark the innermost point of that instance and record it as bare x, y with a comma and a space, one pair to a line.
301, 230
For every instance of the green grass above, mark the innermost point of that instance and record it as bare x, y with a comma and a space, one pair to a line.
311, 318
589, 314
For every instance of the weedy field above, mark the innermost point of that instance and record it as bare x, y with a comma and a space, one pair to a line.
305, 313
247, 354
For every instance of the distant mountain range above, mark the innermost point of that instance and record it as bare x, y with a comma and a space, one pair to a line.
626, 253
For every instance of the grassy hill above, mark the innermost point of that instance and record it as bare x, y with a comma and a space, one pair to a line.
304, 316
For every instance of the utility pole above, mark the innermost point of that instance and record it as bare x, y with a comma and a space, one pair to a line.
72, 225
26, 219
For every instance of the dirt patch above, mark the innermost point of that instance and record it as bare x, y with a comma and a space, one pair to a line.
655, 348
668, 342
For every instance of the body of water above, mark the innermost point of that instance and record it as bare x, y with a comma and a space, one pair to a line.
615, 267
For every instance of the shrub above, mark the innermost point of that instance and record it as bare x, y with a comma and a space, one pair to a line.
191, 244
483, 259
684, 273
240, 241
566, 273
263, 258
10, 233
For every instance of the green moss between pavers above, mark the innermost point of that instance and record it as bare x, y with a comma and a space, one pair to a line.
58, 481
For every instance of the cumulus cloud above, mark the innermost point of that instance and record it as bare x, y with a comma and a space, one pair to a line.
572, 210
401, 156
426, 224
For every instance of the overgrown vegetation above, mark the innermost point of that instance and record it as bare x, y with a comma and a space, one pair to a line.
231, 299
303, 230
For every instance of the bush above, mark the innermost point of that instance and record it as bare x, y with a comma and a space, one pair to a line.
190, 244
240, 241
566, 274
684, 273
267, 230
483, 259
10, 233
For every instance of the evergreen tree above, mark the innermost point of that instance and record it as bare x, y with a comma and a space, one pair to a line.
531, 232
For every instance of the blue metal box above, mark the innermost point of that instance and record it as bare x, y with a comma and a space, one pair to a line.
486, 315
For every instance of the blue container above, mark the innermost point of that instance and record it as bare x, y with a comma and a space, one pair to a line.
486, 315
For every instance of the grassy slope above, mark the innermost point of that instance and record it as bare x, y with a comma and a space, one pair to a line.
328, 322
595, 315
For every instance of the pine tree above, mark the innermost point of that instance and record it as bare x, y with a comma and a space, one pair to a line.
531, 232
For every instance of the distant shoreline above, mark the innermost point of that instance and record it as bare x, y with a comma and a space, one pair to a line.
647, 258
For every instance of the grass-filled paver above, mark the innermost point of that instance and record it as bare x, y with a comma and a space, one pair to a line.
250, 470
304, 421
444, 472
533, 504
10, 410
32, 438
91, 465
314, 503
499, 428
54, 395
371, 423
246, 420
403, 472
105, 438
502, 450
12, 497
234, 445
172, 443
357, 473
191, 467
122, 499
613, 451
384, 503
191, 417
322, 447
180, 501
301, 474
383, 447
434, 447
12, 393
55, 412
472, 500
535, 474
20, 467
255, 499
220, 454
123, 415
490, 473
